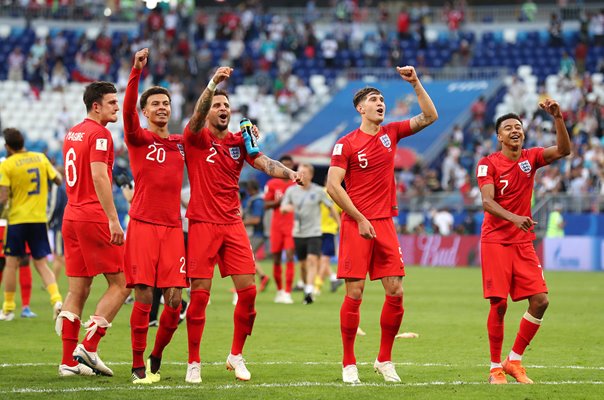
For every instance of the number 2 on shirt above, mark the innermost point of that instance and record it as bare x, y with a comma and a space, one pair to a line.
213, 152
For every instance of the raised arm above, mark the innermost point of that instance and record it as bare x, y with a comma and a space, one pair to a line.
102, 187
489, 205
275, 169
202, 107
429, 113
562, 147
131, 122
335, 176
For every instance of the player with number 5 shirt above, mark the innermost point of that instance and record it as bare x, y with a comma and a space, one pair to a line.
364, 159
510, 265
157, 159
91, 232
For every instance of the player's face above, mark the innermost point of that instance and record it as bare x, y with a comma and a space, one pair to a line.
220, 113
288, 164
307, 175
511, 133
158, 109
373, 108
107, 108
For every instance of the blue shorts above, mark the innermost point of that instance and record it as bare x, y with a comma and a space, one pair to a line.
34, 234
328, 245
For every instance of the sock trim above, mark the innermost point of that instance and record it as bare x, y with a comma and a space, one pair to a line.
532, 319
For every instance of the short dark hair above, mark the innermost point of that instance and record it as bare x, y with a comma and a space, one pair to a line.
13, 138
220, 92
252, 184
95, 91
362, 93
504, 117
286, 157
150, 92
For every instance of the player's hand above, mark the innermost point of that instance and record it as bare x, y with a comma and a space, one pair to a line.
297, 177
408, 73
366, 230
524, 223
222, 74
551, 107
256, 132
117, 234
140, 58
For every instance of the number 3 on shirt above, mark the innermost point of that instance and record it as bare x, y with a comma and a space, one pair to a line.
362, 160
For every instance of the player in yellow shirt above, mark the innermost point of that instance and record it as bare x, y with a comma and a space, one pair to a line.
329, 229
24, 177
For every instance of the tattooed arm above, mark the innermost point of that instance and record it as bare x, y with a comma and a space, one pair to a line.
202, 107
276, 169
428, 114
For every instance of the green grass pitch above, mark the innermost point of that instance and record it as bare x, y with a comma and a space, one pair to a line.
295, 350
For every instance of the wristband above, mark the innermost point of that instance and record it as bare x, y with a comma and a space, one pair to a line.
212, 85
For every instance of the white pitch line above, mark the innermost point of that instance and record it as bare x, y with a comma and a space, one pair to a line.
248, 386
409, 364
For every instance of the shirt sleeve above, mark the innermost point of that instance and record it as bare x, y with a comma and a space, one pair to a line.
4, 179
50, 170
100, 143
402, 129
340, 154
132, 127
485, 172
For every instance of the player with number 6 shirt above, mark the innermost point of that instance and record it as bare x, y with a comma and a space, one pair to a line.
510, 265
364, 159
215, 158
157, 160
92, 233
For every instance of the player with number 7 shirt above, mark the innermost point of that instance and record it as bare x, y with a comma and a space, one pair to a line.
510, 265
157, 160
91, 233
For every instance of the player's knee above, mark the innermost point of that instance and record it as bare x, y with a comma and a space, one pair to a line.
172, 297
500, 305
539, 304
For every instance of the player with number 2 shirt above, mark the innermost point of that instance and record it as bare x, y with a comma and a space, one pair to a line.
510, 265
364, 159
215, 158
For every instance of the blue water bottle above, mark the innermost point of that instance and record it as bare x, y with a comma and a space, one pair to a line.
251, 146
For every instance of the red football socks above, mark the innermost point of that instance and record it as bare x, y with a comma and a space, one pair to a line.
390, 322
25, 283
196, 320
495, 327
168, 322
349, 323
289, 276
243, 318
69, 336
92, 344
526, 333
277, 274
139, 325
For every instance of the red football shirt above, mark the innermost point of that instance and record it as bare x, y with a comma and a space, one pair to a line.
369, 164
214, 166
513, 181
274, 190
85, 143
157, 166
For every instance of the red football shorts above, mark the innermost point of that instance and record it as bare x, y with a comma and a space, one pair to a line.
512, 269
88, 249
155, 255
281, 239
380, 257
225, 245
